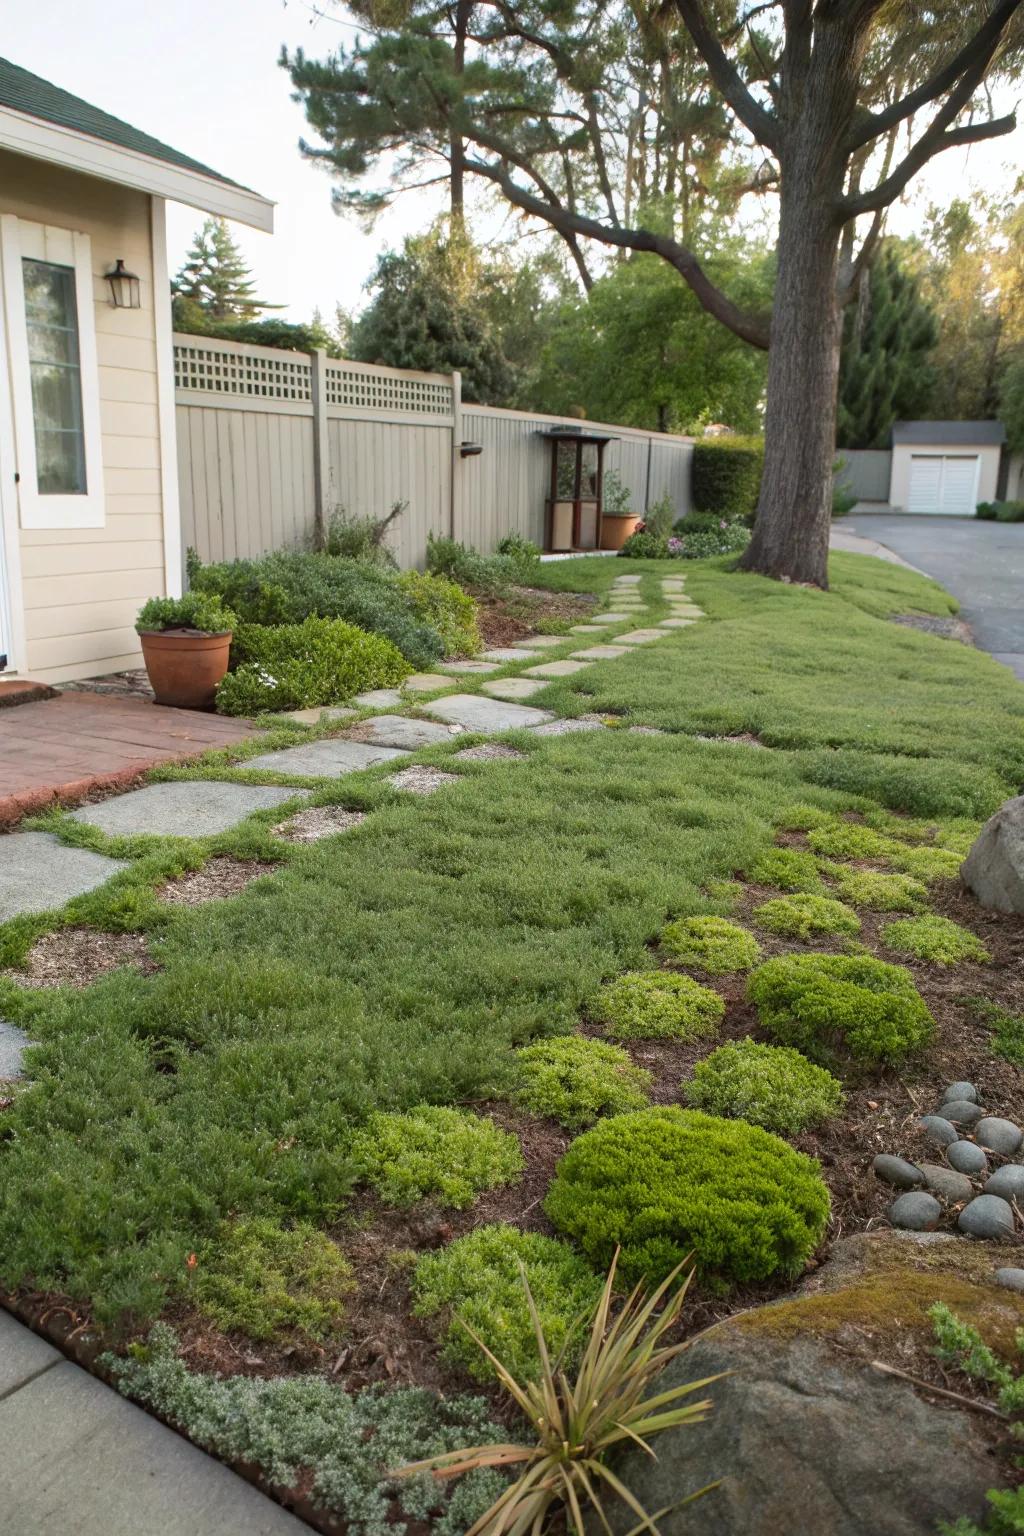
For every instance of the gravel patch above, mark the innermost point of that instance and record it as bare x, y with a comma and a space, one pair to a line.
318, 821
217, 879
420, 780
76, 957
949, 629
489, 752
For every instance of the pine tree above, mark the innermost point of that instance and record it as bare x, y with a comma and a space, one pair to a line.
214, 276
885, 374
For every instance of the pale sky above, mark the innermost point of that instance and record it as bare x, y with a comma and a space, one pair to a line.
203, 76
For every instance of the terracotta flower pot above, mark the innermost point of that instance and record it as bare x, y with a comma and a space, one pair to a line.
616, 530
185, 665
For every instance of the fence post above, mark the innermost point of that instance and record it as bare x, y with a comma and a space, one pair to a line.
321, 451
456, 497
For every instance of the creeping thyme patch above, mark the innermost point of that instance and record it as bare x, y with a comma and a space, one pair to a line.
711, 944
651, 1005
876, 891
449, 1155
574, 1080
934, 938
263, 1280
788, 869
802, 915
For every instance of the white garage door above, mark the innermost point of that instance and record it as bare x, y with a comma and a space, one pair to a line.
944, 483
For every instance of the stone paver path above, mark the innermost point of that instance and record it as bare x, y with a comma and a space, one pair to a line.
640, 636
329, 758
542, 642
399, 731
507, 653
379, 698
563, 668
12, 1047
39, 873
200, 808
600, 653
513, 687
427, 682
488, 716
470, 667
321, 714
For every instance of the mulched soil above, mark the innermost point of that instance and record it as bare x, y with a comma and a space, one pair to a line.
316, 822
218, 878
514, 615
76, 957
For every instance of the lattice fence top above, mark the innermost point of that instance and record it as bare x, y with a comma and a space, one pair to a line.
254, 373
367, 389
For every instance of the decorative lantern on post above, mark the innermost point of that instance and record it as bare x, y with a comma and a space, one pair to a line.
124, 287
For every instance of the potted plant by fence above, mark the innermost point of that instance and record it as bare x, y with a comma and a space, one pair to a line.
186, 642
618, 518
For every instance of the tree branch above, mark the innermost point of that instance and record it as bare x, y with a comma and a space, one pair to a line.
761, 123
927, 146
748, 327
974, 57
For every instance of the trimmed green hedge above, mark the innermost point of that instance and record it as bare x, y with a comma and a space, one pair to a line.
727, 475
297, 666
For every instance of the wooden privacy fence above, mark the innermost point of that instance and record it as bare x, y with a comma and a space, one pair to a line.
270, 443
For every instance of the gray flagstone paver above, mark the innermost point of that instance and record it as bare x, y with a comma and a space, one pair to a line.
640, 636
513, 687
400, 731
38, 872
329, 758
676, 623
626, 581
198, 808
488, 716
379, 698
569, 727
563, 668
586, 629
480, 667
542, 642
610, 618
320, 714
13, 1042
600, 653
427, 682
507, 653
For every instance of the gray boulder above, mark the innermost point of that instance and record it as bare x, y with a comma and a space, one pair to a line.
993, 871
987, 1216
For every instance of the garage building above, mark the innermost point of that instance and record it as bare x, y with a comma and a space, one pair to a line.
945, 467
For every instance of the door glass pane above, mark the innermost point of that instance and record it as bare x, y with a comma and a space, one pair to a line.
51, 317
565, 478
588, 469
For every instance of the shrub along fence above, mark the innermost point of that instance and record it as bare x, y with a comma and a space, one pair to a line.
271, 442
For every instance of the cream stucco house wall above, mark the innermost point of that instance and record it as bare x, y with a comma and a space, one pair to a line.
89, 515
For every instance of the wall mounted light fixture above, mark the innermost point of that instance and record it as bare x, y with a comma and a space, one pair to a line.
124, 288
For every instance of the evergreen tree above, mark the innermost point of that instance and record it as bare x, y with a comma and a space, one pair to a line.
214, 276
889, 334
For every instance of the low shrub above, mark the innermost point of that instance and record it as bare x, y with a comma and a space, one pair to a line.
516, 547
295, 666
448, 1155
726, 475
827, 1005
662, 1183
927, 862
728, 538
264, 1280
659, 517
642, 545
934, 938
803, 915
446, 608
477, 1279
711, 944
574, 1080
802, 817
363, 538
840, 839
487, 574
772, 1086
195, 610
920, 786
788, 869
653, 1005
879, 893
1000, 511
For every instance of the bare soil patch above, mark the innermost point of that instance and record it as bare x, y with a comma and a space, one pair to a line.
519, 612
76, 957
217, 879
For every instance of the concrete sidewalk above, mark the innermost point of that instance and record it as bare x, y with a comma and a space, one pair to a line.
77, 1457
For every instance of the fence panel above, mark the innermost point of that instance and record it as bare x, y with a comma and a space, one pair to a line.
373, 464
866, 472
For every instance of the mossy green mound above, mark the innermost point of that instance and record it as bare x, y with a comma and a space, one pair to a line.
802, 916
829, 1006
788, 869
651, 1005
711, 944
839, 839
926, 862
878, 892
574, 1080
933, 938
448, 1155
265, 1281
772, 1086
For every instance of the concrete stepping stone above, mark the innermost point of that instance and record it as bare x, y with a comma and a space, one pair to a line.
13, 1042
330, 759
542, 642
488, 716
426, 682
587, 629
629, 580
320, 714
418, 779
38, 872
460, 667
676, 623
379, 698
564, 668
600, 653
507, 653
569, 727
610, 618
641, 636
490, 752
199, 808
400, 731
513, 687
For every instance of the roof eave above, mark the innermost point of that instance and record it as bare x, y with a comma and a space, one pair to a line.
42, 140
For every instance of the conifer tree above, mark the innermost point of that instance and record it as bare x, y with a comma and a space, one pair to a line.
214, 276
885, 375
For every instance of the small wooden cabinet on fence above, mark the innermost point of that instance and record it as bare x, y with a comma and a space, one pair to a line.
574, 506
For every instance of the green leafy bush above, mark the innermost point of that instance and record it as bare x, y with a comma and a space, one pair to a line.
653, 1005
642, 545
662, 1183
196, 610
803, 915
961, 1346
1000, 511
772, 1086
448, 1155
660, 516
521, 549
840, 839
347, 1444
879, 893
574, 1080
712, 944
488, 574
292, 585
478, 1279
446, 608
295, 666
789, 869
265, 1280
727, 475
934, 938
728, 538
363, 538
829, 1004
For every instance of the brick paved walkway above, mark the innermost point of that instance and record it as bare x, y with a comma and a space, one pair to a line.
60, 749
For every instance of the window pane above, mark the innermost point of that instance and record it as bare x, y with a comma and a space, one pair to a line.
565, 480
51, 317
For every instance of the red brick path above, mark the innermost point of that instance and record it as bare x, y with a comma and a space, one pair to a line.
64, 748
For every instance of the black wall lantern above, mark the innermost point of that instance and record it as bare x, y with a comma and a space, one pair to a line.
470, 450
124, 288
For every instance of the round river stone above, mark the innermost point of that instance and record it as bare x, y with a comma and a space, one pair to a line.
966, 1157
947, 1183
961, 1111
987, 1216
961, 1091
1013, 1279
897, 1171
938, 1130
917, 1212
1007, 1182
999, 1135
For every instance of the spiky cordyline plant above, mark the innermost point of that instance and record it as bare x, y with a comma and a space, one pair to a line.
577, 1422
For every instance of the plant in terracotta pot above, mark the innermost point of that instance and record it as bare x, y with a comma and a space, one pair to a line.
186, 642
618, 520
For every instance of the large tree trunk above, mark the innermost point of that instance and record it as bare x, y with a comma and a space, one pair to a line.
456, 144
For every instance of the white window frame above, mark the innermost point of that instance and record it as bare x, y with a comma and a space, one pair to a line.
21, 240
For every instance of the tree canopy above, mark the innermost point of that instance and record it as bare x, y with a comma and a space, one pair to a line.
885, 371
215, 278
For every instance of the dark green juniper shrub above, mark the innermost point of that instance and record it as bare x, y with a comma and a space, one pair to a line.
662, 1183
265, 1280
876, 891
788, 869
294, 666
711, 944
574, 1080
478, 1278
933, 938
772, 1086
652, 1005
430, 1152
803, 916
345, 1443
834, 1005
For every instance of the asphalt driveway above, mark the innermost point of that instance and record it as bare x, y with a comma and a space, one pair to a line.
982, 564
